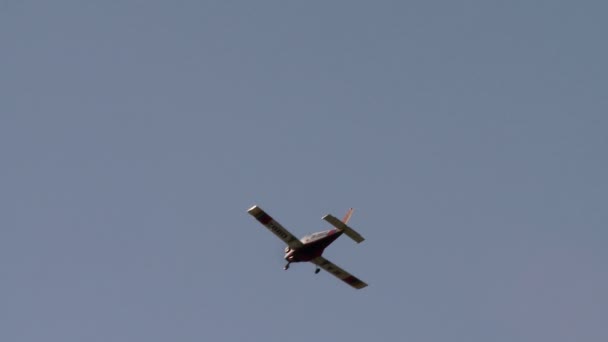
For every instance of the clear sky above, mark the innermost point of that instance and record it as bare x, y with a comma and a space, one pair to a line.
469, 136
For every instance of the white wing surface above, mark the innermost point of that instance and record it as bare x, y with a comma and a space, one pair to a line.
275, 227
338, 272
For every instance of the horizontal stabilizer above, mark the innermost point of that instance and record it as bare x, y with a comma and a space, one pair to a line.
351, 233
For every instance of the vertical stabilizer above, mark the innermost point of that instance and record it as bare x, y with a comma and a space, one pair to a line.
347, 216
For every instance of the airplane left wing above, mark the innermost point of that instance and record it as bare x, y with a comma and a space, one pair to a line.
275, 227
338, 272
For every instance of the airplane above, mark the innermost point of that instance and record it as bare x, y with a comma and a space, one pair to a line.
311, 247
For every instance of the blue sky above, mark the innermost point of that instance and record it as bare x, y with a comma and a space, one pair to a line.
470, 137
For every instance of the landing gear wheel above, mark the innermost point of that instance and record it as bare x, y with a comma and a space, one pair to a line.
286, 267
317, 270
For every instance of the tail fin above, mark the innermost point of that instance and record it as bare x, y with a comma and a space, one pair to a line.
341, 225
348, 215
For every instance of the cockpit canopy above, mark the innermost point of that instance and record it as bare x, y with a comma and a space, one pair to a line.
314, 236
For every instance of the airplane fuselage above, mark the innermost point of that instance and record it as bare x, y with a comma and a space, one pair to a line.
313, 246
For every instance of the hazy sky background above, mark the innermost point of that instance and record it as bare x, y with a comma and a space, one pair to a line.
469, 136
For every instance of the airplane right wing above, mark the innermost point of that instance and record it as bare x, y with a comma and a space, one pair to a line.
275, 227
338, 272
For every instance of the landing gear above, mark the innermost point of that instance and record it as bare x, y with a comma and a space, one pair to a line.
286, 266
317, 270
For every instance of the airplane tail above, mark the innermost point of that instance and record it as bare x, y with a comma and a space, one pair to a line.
348, 215
342, 225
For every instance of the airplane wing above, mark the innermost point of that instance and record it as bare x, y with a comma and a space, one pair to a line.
338, 272
275, 227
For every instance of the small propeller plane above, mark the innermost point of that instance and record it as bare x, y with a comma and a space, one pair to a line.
311, 247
